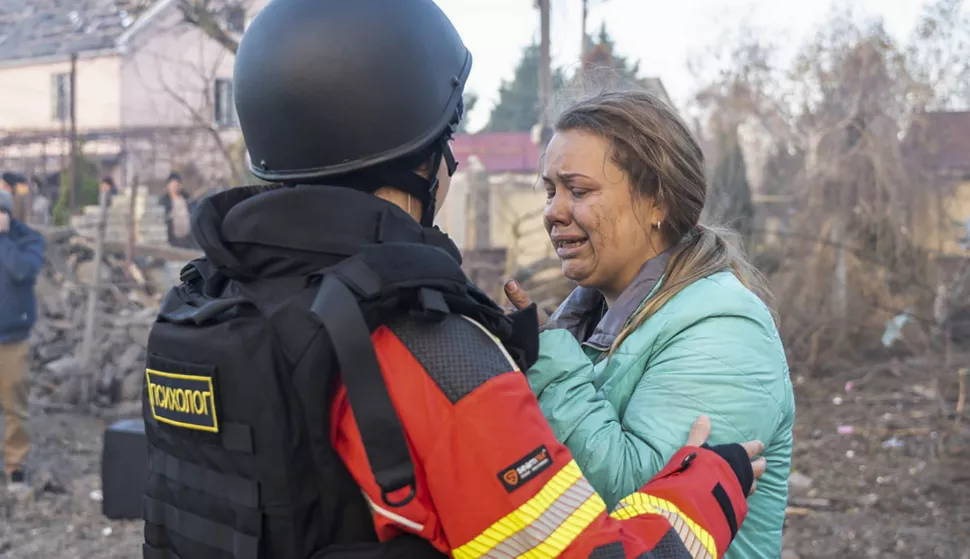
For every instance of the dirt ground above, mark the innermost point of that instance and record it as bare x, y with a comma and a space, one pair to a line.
890, 468
888, 476
62, 519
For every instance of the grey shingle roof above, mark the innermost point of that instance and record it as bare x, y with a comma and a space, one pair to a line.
41, 28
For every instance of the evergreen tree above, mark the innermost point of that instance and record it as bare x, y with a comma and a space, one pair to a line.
469, 99
89, 187
517, 108
603, 66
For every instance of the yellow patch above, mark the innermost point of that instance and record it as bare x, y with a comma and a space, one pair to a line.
186, 401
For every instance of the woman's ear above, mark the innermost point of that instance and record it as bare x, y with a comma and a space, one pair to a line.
658, 214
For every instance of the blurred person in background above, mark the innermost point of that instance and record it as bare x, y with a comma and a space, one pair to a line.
40, 208
108, 186
21, 257
177, 212
669, 320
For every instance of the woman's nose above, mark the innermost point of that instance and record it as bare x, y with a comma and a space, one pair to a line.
557, 209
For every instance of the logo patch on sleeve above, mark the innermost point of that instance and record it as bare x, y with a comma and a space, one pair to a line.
186, 401
525, 469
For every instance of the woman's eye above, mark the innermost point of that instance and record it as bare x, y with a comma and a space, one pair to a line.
578, 192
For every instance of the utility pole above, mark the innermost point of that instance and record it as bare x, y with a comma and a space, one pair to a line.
132, 222
75, 172
545, 73
89, 380
583, 45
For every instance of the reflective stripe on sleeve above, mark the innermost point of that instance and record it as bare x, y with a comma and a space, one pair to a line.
698, 541
545, 525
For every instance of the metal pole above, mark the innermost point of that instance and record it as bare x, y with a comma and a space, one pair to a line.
75, 172
132, 222
582, 46
545, 72
94, 289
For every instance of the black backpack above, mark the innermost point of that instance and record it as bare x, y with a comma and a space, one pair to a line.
238, 384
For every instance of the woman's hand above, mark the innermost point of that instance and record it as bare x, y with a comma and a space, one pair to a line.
520, 299
698, 437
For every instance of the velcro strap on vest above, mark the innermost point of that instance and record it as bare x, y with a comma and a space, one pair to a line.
243, 492
201, 530
359, 277
431, 305
237, 437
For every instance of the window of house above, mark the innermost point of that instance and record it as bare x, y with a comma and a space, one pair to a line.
61, 96
225, 112
235, 19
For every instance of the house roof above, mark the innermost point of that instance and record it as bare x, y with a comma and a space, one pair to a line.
499, 152
940, 141
31, 29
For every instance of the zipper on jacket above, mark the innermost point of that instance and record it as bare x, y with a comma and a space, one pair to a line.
684, 464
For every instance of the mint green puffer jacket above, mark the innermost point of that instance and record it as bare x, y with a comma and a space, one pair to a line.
712, 349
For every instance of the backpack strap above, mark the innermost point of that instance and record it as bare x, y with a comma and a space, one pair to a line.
336, 308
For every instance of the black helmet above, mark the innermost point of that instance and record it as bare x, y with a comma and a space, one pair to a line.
357, 92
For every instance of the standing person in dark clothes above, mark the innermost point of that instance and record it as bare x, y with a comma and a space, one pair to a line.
108, 185
21, 257
177, 212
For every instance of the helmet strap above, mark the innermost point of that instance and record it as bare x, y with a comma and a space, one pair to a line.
427, 213
425, 189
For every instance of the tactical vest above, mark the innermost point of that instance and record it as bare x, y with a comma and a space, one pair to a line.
239, 380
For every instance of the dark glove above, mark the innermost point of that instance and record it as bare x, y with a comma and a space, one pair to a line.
736, 457
525, 335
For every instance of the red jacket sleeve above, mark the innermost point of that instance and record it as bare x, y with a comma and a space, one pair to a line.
494, 482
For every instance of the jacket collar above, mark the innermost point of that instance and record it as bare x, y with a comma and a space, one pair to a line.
260, 231
585, 314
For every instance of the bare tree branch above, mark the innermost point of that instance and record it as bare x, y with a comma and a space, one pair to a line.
211, 17
196, 81
832, 126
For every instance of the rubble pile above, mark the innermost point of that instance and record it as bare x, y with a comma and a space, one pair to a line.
145, 210
126, 308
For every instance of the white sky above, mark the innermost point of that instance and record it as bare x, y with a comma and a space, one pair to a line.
663, 34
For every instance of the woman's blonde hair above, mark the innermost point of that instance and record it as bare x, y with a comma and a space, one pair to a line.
663, 162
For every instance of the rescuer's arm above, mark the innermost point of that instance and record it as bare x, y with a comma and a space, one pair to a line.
493, 480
